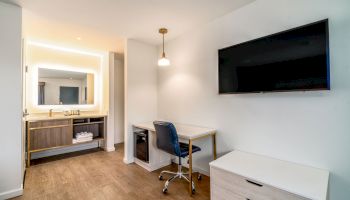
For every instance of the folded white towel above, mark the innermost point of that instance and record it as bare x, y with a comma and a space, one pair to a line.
82, 140
83, 134
82, 137
86, 140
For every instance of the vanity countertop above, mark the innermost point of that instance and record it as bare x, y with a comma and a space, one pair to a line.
41, 117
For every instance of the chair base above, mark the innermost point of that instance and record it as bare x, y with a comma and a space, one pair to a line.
179, 174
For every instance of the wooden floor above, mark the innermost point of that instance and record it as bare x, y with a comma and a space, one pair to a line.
96, 174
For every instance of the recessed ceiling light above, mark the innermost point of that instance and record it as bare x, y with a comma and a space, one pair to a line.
78, 38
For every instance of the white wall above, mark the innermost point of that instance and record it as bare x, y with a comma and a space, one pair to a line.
116, 98
10, 106
119, 99
140, 89
311, 128
111, 110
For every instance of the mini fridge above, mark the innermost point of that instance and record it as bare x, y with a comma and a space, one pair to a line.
141, 145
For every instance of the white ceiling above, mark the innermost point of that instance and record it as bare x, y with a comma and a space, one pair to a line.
104, 23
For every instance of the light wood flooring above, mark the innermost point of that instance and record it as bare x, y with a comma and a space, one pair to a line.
96, 174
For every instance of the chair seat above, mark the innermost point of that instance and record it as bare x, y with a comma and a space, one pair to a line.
185, 149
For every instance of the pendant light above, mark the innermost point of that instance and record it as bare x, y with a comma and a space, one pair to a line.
163, 61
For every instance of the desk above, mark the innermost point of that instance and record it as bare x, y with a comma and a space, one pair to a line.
190, 133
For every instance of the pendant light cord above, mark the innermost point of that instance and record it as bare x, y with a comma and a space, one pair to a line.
163, 45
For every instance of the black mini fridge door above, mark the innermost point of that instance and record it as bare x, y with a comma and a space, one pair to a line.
141, 145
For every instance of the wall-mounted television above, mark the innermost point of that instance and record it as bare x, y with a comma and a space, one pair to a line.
296, 59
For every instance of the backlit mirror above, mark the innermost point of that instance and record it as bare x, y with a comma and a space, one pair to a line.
58, 87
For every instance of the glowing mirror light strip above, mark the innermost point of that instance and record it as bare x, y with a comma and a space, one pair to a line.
70, 50
98, 85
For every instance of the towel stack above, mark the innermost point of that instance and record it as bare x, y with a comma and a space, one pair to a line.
82, 137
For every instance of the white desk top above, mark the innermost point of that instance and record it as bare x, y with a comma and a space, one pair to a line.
184, 131
304, 181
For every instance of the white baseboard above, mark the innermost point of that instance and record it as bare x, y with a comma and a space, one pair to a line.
142, 164
161, 164
201, 171
195, 168
150, 167
109, 149
127, 161
11, 193
63, 150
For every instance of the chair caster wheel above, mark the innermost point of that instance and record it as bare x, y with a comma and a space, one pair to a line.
165, 190
199, 177
160, 178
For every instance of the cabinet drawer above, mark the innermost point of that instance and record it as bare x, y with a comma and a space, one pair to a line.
51, 137
48, 123
249, 189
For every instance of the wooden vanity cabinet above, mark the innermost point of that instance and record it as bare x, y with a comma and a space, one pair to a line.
49, 134
50, 137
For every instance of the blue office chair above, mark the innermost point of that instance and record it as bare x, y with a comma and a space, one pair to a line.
167, 140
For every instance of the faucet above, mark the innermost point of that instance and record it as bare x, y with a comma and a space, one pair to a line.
50, 112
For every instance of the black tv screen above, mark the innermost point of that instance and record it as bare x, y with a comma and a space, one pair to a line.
297, 59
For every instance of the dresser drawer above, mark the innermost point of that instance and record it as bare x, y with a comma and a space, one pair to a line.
249, 189
220, 193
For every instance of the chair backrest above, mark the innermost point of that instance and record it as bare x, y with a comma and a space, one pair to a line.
167, 139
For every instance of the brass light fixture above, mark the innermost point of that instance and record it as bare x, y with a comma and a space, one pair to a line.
163, 61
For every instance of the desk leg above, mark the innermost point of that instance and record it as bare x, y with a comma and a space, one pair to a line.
190, 167
214, 146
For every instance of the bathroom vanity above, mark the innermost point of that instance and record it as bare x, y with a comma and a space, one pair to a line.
44, 133
67, 90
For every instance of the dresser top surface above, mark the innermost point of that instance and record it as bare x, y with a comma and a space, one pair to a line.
308, 182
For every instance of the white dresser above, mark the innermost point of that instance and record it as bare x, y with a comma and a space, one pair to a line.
245, 176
